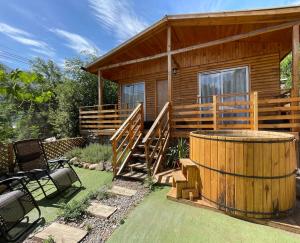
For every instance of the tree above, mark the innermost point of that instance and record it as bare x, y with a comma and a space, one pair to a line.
285, 71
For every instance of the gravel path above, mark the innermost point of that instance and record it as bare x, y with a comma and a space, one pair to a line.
103, 228
100, 229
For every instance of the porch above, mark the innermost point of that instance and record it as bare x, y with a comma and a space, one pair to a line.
138, 152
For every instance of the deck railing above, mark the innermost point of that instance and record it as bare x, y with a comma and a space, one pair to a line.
156, 140
237, 111
126, 138
101, 120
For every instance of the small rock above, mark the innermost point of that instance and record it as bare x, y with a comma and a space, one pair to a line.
52, 139
86, 165
100, 166
93, 166
82, 225
80, 165
73, 160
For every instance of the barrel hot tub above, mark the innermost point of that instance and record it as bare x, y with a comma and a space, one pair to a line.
246, 173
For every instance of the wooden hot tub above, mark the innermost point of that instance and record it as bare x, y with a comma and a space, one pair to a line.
246, 173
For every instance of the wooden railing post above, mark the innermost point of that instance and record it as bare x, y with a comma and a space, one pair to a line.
215, 114
114, 157
254, 102
147, 157
142, 117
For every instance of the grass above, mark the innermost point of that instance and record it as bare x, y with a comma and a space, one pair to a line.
93, 153
157, 219
92, 180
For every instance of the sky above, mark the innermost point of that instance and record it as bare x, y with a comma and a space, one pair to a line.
59, 29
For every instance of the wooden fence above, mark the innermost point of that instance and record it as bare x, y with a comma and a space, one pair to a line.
53, 150
101, 120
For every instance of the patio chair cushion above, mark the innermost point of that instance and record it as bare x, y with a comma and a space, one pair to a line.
64, 177
14, 205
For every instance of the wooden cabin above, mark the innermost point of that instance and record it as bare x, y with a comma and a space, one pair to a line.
196, 71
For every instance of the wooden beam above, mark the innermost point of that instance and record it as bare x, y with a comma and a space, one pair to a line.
100, 88
207, 44
295, 61
169, 39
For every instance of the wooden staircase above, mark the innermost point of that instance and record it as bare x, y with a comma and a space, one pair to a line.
186, 182
135, 155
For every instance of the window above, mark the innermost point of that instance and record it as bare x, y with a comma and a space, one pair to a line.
228, 81
132, 95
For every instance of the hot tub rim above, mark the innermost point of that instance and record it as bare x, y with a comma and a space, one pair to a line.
212, 135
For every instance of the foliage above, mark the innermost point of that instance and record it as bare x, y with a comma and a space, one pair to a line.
150, 182
50, 239
101, 194
176, 152
285, 71
93, 153
74, 210
45, 101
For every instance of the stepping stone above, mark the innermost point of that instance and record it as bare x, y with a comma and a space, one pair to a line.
62, 233
100, 210
122, 191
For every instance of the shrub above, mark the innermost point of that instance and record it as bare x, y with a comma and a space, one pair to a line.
93, 153
179, 151
73, 210
49, 239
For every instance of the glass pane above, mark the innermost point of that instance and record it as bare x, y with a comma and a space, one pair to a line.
132, 95
210, 85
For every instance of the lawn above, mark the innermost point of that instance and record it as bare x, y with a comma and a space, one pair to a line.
91, 181
157, 219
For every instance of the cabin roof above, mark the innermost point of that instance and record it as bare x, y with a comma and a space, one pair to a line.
152, 40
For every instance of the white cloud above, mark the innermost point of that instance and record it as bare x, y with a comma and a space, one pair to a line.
27, 39
76, 42
118, 16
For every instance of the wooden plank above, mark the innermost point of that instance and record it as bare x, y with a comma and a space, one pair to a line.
182, 107
281, 125
280, 108
258, 183
221, 177
249, 182
267, 183
193, 126
239, 181
169, 63
295, 61
283, 203
278, 117
275, 172
100, 88
230, 187
207, 172
192, 119
214, 174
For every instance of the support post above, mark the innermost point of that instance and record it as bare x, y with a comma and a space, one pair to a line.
254, 100
100, 88
295, 68
215, 120
169, 64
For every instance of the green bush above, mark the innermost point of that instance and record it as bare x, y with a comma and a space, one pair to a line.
74, 210
93, 153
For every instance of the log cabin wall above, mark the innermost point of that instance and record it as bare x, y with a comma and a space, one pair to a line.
262, 58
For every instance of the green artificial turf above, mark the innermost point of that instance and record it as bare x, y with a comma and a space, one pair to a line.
91, 181
157, 219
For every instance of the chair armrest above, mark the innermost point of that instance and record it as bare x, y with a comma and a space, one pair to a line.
10, 180
60, 161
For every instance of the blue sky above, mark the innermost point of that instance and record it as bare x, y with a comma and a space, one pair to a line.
59, 29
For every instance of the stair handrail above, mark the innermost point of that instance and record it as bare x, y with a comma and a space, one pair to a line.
163, 131
131, 131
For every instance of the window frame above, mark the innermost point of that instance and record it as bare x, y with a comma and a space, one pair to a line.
220, 71
135, 83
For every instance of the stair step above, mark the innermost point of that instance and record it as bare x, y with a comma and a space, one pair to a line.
136, 175
142, 156
187, 163
141, 166
178, 176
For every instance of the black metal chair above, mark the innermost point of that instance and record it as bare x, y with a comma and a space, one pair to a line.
32, 162
15, 203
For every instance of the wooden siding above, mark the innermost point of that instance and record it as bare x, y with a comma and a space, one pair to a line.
262, 58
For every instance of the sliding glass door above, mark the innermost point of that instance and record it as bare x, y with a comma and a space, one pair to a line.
223, 82
229, 84
132, 95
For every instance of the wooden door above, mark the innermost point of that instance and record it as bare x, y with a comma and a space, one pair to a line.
161, 94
